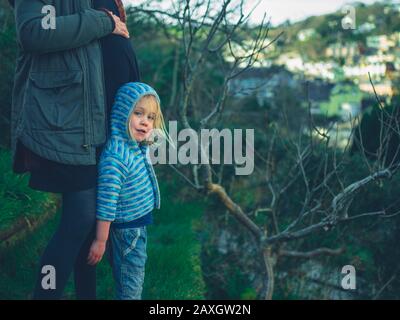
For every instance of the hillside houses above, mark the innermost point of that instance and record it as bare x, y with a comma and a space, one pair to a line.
342, 50
295, 64
381, 42
376, 70
316, 71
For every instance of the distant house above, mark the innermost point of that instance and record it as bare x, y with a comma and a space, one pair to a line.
365, 28
376, 70
292, 61
295, 63
381, 42
306, 34
342, 50
384, 88
260, 83
323, 70
379, 58
395, 37
318, 90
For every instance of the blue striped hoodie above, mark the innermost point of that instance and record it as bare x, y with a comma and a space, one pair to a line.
127, 184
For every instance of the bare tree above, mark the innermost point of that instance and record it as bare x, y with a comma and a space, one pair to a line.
214, 30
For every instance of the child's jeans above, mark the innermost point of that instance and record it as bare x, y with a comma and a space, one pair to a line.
128, 258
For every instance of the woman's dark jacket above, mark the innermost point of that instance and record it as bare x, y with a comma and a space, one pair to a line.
60, 98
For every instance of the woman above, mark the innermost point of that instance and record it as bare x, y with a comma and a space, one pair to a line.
61, 98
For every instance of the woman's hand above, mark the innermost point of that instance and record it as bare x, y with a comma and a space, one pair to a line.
120, 27
96, 252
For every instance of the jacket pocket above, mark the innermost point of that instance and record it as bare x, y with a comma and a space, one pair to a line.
56, 101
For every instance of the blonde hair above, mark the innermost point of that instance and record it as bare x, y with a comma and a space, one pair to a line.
153, 104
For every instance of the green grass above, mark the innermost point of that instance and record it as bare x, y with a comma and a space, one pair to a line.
19, 264
172, 269
17, 199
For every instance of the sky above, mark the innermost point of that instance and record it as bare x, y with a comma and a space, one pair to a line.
296, 10
282, 10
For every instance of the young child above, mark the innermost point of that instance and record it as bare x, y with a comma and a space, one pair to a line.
127, 187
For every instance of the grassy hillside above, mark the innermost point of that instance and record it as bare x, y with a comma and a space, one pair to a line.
329, 30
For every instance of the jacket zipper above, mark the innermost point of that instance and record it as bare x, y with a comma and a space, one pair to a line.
88, 130
104, 93
104, 87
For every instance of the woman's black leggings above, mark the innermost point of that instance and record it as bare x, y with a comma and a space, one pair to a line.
67, 251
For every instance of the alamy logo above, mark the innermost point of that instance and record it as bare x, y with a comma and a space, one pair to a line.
49, 21
349, 20
49, 280
349, 280
196, 148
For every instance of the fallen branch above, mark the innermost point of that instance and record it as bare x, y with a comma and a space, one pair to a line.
24, 226
311, 254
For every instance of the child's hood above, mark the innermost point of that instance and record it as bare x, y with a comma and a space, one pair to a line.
125, 101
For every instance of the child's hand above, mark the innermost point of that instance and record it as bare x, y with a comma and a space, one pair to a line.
96, 252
